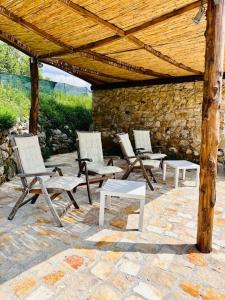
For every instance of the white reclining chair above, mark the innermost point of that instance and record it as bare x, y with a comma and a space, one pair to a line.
91, 159
136, 161
37, 179
143, 145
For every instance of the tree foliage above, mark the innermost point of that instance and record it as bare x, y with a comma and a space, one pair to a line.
13, 61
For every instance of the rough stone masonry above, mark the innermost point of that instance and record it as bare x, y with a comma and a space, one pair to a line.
171, 112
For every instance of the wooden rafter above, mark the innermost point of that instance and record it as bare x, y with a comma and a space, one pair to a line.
164, 57
133, 30
165, 17
93, 17
14, 42
80, 48
8, 14
71, 69
95, 56
120, 64
86, 70
86, 13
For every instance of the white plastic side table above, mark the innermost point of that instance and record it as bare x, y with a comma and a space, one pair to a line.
180, 165
122, 189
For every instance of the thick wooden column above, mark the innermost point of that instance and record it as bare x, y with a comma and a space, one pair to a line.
33, 124
214, 58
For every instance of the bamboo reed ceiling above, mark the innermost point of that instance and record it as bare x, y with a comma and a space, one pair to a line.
108, 41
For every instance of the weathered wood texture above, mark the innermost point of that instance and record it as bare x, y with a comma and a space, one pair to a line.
214, 58
34, 110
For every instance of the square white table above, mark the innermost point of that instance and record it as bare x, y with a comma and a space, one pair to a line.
180, 165
122, 189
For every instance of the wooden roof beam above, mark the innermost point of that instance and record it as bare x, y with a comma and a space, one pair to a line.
88, 14
135, 29
91, 16
71, 69
164, 57
120, 64
165, 17
70, 49
8, 14
12, 41
87, 71
80, 48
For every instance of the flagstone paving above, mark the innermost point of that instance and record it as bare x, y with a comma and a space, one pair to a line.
82, 261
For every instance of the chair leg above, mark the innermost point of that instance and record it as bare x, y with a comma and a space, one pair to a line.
72, 200
34, 199
88, 186
18, 204
153, 177
146, 176
101, 182
49, 202
127, 173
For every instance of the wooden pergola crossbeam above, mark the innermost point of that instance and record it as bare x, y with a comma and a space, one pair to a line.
148, 24
164, 17
95, 56
83, 70
14, 42
71, 69
8, 14
95, 18
80, 48
120, 64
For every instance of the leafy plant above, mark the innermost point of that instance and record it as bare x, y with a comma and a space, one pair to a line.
7, 119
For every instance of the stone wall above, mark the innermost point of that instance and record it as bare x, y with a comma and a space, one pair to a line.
171, 112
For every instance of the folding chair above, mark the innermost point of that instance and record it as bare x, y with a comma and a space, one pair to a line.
136, 161
91, 159
143, 145
36, 179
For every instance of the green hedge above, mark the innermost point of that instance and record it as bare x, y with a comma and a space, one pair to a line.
57, 111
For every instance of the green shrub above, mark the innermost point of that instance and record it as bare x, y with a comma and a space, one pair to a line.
7, 119
57, 111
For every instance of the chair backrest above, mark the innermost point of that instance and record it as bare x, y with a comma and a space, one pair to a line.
28, 154
142, 139
126, 146
90, 145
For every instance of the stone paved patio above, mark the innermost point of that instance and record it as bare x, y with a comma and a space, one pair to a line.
83, 261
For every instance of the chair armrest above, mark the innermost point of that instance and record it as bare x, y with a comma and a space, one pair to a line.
128, 157
21, 175
137, 149
83, 159
111, 157
57, 165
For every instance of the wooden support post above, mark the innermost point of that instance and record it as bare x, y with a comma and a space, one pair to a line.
214, 57
33, 124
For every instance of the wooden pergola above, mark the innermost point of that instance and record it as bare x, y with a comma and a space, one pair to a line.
114, 43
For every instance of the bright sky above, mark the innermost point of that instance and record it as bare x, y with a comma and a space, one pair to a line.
55, 74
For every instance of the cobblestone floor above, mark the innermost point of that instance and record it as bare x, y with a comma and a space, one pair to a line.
82, 261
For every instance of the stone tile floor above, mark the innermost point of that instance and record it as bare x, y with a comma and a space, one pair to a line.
83, 261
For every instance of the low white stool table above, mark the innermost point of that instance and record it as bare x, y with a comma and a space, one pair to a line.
180, 165
122, 189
